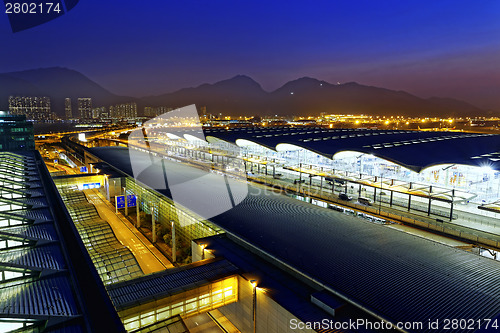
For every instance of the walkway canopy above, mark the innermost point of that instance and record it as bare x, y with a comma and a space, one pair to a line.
414, 150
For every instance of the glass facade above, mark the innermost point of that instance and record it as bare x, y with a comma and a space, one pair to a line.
15, 133
81, 182
188, 225
194, 301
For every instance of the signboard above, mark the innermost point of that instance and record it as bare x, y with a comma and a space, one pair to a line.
120, 201
91, 185
83, 169
131, 200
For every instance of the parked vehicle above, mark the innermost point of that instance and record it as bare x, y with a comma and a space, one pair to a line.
344, 196
365, 201
336, 181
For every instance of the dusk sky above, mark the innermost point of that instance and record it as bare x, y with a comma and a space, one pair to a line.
137, 48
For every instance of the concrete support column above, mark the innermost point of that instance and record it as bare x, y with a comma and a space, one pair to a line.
153, 223
138, 209
126, 203
106, 185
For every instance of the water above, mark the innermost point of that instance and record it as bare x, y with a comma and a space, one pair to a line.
46, 128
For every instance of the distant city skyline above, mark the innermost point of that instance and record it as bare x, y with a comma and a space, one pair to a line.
446, 49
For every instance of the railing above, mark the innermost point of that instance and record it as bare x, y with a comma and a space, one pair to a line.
465, 232
461, 231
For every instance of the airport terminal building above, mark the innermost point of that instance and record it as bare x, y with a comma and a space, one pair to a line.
305, 262
309, 242
442, 172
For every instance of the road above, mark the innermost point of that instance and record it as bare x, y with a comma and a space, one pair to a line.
209, 322
150, 259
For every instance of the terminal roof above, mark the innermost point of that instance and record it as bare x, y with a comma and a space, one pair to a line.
46, 279
395, 275
415, 150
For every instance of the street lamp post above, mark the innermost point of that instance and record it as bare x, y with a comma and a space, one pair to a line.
380, 196
254, 302
126, 201
203, 246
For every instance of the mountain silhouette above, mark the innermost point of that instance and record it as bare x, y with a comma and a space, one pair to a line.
240, 95
307, 96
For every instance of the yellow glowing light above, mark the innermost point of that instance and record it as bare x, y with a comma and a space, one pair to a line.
407, 123
450, 121
331, 126
356, 122
387, 122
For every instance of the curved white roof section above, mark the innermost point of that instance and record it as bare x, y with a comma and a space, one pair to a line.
288, 147
192, 138
173, 136
249, 143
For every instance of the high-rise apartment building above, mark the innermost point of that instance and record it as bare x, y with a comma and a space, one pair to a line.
33, 107
150, 111
67, 108
85, 107
123, 111
100, 112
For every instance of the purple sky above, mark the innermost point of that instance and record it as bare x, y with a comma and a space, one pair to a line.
428, 48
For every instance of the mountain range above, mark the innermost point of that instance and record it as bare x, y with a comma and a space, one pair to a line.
240, 95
